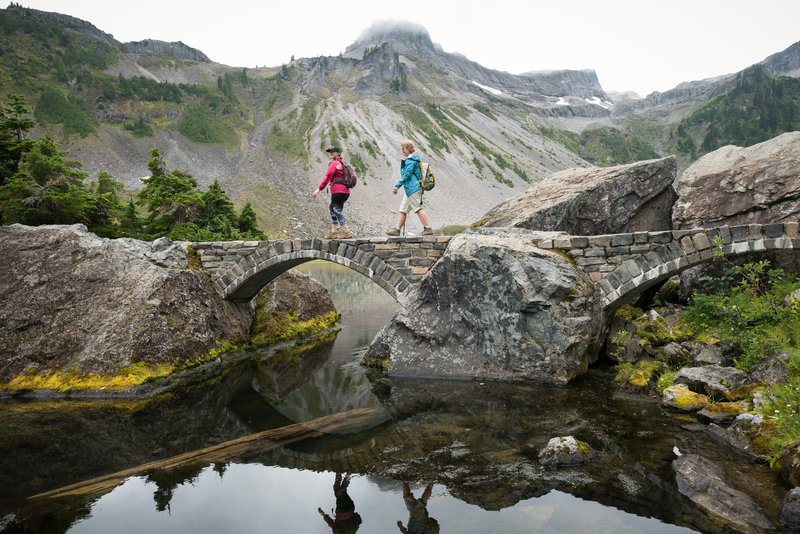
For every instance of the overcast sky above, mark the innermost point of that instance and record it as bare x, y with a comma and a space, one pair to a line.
638, 45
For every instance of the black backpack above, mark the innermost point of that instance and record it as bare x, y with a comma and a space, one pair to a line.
349, 178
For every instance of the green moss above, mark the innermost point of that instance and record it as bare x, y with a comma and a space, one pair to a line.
74, 380
743, 392
628, 312
724, 408
638, 376
288, 327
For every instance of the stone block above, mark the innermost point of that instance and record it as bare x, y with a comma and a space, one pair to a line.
580, 242
664, 236
599, 240
545, 243
562, 243
792, 229
605, 285
755, 231
773, 231
640, 249
621, 240
612, 251
759, 245
687, 245
613, 280
664, 254
594, 252
700, 241
421, 262
640, 237
738, 233
632, 267
583, 261
642, 263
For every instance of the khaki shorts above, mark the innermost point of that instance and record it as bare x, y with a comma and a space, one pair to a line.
412, 203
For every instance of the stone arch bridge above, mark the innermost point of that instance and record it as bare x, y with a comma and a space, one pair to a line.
622, 265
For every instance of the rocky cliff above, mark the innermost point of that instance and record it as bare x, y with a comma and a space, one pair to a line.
153, 47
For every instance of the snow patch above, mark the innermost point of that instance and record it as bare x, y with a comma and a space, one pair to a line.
597, 102
488, 89
562, 102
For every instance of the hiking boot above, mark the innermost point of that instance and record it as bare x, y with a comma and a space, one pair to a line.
346, 235
427, 231
393, 231
331, 235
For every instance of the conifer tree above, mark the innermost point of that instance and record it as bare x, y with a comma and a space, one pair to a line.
171, 197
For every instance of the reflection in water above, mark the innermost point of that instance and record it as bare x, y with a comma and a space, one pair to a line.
345, 519
419, 522
475, 445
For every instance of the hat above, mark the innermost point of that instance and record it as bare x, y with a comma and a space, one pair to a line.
333, 149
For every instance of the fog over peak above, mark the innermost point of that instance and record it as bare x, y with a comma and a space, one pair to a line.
402, 31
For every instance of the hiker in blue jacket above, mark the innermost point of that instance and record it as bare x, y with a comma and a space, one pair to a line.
410, 175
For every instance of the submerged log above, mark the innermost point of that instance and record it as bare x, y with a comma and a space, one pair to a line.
261, 441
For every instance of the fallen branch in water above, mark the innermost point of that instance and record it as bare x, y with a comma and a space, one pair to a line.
262, 441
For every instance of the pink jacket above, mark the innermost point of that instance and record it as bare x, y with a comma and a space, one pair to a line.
335, 172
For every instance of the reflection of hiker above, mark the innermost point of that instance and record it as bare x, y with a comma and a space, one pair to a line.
339, 193
410, 176
347, 520
419, 522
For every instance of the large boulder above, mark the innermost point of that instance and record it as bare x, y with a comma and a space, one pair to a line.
74, 302
599, 200
734, 185
496, 307
292, 305
704, 482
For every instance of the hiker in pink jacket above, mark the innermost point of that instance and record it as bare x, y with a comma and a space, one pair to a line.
339, 194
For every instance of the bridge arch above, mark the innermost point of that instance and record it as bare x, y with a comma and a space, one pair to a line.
691, 248
246, 286
241, 268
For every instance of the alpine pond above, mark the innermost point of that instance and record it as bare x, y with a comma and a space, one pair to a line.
412, 455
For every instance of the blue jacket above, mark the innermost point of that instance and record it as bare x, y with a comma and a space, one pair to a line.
410, 175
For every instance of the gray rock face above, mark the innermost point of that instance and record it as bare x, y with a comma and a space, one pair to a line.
703, 482
72, 300
496, 307
607, 200
153, 47
790, 511
711, 379
771, 370
734, 185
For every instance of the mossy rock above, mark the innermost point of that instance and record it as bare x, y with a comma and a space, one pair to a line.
638, 376
628, 312
721, 412
744, 392
787, 463
682, 398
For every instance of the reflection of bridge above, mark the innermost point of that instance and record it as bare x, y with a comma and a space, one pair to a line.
622, 265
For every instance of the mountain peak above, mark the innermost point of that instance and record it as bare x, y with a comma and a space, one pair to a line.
403, 32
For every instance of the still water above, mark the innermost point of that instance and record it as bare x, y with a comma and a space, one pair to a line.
409, 456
